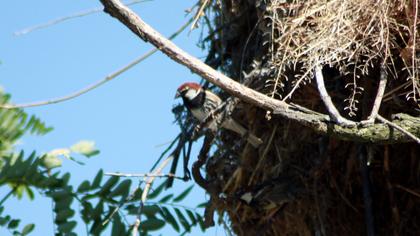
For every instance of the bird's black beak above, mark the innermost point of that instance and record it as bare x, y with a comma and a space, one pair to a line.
177, 95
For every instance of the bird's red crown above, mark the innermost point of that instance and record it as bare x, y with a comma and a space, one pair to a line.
188, 85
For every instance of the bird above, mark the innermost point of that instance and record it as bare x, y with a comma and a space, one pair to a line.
202, 102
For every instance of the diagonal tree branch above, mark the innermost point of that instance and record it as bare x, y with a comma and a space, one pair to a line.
69, 17
397, 127
98, 83
378, 133
383, 79
116, 9
145, 193
326, 99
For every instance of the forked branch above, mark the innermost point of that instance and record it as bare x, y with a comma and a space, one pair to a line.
383, 79
326, 99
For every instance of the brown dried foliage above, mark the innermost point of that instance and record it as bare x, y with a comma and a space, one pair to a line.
298, 182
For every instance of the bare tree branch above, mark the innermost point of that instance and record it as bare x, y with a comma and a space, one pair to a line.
377, 133
69, 17
145, 193
326, 99
116, 9
96, 84
379, 95
399, 128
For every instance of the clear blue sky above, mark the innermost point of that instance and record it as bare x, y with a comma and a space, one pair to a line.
128, 117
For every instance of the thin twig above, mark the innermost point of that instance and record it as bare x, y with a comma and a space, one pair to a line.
413, 56
245, 49
198, 14
133, 193
7, 195
388, 96
172, 205
143, 175
334, 114
397, 127
98, 83
379, 95
69, 17
112, 214
145, 193
263, 156
408, 190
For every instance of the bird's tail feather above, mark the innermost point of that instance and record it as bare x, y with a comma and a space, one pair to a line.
236, 127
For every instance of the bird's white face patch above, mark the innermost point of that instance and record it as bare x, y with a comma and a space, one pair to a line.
191, 94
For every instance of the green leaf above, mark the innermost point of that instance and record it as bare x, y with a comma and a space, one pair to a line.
27, 229
202, 205
151, 224
60, 194
122, 189
157, 191
63, 203
74, 160
150, 210
85, 147
131, 209
19, 191
66, 178
93, 153
167, 215
35, 125
182, 220
29, 192
4, 220
97, 180
67, 227
109, 184
191, 215
97, 227
137, 193
86, 211
64, 214
13, 224
165, 151
83, 187
166, 198
201, 222
118, 227
98, 210
181, 196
